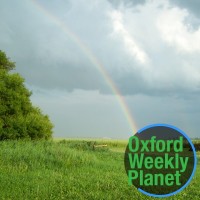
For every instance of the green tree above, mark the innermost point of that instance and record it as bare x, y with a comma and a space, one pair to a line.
5, 62
18, 117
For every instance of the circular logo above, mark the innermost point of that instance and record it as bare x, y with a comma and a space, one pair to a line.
160, 160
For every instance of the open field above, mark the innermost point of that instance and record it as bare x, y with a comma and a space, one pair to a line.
70, 169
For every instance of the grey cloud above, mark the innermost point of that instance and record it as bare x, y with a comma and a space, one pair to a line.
126, 3
49, 57
44, 54
191, 6
174, 110
91, 114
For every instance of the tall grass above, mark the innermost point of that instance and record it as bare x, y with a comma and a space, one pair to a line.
69, 170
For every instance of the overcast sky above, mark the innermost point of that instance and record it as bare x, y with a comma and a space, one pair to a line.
149, 49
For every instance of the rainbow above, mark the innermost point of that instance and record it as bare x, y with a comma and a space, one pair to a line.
94, 60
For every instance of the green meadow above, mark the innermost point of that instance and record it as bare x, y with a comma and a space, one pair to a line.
71, 169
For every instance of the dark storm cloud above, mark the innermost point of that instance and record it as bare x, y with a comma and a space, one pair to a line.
49, 57
44, 54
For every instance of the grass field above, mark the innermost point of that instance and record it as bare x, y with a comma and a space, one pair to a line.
70, 169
